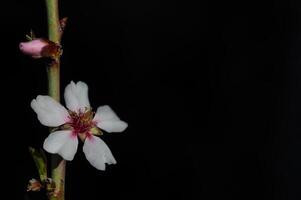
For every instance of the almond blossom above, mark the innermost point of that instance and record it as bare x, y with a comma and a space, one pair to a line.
77, 121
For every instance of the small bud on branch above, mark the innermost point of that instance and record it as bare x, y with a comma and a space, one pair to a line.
41, 48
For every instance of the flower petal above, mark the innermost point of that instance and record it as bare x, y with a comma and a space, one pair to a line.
50, 112
76, 96
107, 120
98, 153
56, 140
112, 125
69, 149
105, 113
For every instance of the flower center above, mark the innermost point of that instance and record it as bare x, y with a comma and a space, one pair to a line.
82, 122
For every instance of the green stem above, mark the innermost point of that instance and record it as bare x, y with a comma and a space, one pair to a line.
53, 20
58, 165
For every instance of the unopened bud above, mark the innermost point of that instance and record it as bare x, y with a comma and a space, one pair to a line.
38, 48
34, 185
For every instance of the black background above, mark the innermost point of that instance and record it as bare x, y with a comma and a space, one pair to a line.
210, 90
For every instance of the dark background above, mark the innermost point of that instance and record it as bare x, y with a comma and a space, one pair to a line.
210, 90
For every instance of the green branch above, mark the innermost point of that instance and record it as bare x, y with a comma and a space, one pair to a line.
58, 165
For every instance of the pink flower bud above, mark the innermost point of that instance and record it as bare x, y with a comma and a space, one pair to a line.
33, 48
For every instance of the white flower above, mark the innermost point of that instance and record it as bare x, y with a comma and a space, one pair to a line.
77, 121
